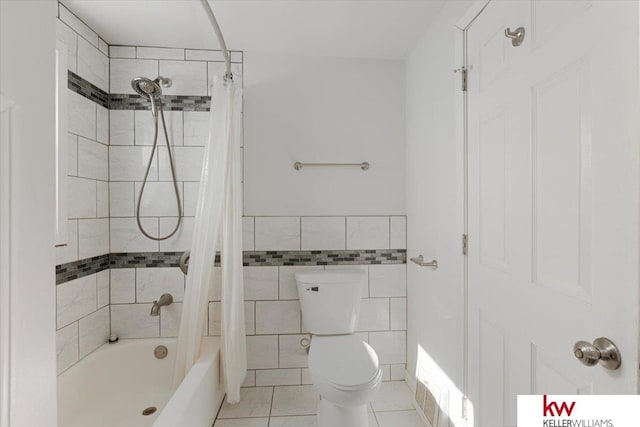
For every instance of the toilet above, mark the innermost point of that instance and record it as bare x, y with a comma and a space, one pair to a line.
344, 368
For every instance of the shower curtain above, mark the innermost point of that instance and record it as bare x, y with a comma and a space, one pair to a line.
218, 219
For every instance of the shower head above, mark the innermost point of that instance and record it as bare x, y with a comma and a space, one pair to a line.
146, 87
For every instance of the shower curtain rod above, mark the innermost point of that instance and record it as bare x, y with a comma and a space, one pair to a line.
219, 36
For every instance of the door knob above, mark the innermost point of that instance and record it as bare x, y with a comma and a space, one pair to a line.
602, 350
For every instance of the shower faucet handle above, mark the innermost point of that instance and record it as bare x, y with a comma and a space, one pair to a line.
184, 262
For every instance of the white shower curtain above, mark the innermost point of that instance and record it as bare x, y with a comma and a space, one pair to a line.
218, 216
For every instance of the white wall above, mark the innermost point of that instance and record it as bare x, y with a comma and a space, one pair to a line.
435, 206
27, 38
323, 110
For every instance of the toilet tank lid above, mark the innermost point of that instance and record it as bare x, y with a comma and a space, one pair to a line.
324, 276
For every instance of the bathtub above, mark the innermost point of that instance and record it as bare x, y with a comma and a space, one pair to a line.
114, 385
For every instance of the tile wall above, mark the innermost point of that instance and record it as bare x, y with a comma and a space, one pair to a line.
272, 311
83, 303
108, 155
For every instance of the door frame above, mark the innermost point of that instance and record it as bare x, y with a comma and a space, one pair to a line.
462, 139
6, 130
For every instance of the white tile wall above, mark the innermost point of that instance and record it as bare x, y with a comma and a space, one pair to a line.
94, 331
196, 128
145, 128
159, 53
204, 55
262, 351
75, 299
103, 278
126, 237
82, 197
158, 199
72, 153
398, 314
323, 233
81, 115
170, 320
398, 232
69, 252
277, 233
187, 161
390, 346
67, 352
181, 241
260, 283
93, 65
214, 318
190, 198
151, 283
123, 70
292, 354
93, 237
102, 199
388, 280
189, 77
121, 127
123, 285
129, 163
78, 26
248, 232
134, 321
103, 46
368, 232
69, 38
277, 317
122, 52
121, 199
93, 159
102, 131
374, 314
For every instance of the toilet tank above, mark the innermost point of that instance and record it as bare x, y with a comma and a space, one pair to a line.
330, 300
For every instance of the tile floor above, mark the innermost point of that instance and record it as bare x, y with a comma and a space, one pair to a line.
295, 406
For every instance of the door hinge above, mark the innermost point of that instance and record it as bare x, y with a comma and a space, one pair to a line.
465, 244
464, 74
465, 408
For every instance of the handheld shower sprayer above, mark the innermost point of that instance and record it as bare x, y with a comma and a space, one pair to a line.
151, 89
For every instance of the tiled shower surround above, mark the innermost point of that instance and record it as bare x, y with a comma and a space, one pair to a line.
109, 273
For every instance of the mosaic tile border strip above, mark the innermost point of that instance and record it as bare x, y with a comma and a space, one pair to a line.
310, 258
84, 267
145, 259
123, 101
86, 89
74, 270
270, 258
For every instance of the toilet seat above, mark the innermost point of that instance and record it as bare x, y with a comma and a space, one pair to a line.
344, 362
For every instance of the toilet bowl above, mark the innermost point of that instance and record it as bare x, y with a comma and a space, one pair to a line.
344, 368
347, 373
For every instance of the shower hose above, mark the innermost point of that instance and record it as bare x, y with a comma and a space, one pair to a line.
154, 108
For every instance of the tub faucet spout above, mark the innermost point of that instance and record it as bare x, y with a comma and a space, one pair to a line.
165, 299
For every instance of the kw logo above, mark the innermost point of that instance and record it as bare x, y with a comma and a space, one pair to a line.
548, 408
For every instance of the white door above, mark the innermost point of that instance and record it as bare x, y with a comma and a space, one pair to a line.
552, 200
